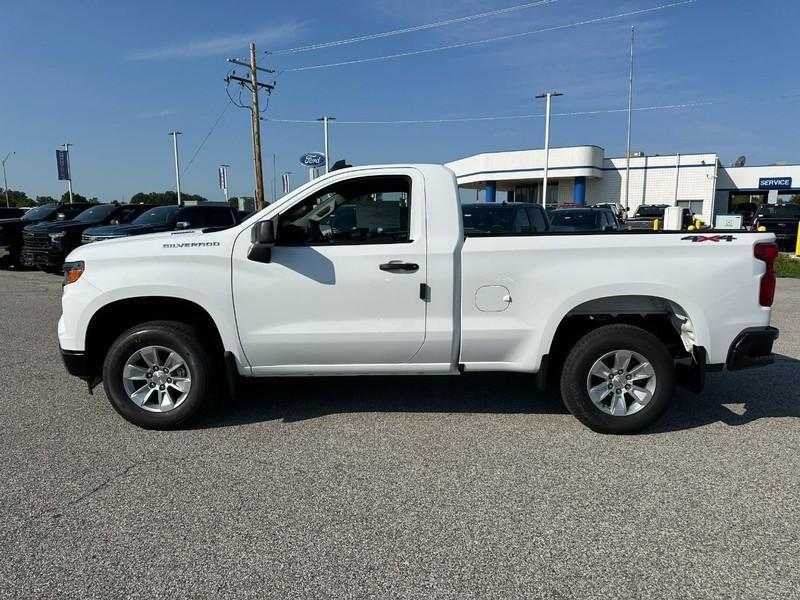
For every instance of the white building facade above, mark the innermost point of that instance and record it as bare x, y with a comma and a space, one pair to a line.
582, 175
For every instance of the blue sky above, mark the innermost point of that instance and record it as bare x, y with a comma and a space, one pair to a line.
114, 78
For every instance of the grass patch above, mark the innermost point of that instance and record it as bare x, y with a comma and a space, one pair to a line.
787, 266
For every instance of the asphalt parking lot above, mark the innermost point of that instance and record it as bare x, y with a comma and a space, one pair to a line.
468, 487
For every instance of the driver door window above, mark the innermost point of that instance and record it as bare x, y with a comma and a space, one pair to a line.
370, 210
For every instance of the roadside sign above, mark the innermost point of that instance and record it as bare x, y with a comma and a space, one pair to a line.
313, 159
775, 183
62, 160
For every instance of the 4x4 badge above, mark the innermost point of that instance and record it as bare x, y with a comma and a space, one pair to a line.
709, 238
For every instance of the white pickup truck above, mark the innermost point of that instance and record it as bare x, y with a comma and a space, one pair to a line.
368, 271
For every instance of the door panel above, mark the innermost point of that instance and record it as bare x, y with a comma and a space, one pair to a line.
332, 303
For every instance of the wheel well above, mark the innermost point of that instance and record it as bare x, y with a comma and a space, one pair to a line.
113, 319
661, 317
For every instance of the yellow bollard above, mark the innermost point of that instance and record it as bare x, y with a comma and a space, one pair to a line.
761, 228
698, 223
655, 225
797, 244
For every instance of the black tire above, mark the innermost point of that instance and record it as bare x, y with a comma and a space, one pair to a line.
591, 348
183, 339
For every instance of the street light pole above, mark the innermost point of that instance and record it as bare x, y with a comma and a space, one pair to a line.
630, 111
175, 135
5, 181
547, 96
325, 120
69, 172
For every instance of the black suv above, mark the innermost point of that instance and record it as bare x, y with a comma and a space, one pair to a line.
510, 218
11, 229
46, 245
167, 218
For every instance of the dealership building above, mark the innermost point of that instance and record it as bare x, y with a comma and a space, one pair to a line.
583, 175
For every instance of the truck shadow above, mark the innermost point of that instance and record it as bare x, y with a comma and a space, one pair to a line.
733, 398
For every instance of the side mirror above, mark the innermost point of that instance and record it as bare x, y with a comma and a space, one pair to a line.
262, 238
182, 225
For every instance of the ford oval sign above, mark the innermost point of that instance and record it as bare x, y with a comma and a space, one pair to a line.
313, 159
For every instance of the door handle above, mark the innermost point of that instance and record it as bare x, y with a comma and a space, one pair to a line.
397, 266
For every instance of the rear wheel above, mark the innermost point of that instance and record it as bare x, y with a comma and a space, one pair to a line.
157, 375
618, 379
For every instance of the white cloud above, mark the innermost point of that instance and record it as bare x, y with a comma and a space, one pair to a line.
218, 46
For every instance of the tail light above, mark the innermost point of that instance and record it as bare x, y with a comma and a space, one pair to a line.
767, 252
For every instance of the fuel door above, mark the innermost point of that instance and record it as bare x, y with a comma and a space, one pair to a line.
492, 298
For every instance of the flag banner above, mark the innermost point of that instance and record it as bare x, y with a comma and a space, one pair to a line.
223, 178
285, 179
62, 160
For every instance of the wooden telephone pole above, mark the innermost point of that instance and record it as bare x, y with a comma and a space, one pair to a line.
254, 86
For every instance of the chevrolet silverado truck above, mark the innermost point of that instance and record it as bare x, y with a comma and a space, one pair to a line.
170, 322
782, 220
11, 229
45, 245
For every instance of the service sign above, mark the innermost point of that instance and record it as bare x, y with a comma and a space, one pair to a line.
775, 183
313, 159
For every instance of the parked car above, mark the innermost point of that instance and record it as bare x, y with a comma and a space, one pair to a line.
165, 320
646, 214
511, 218
46, 245
583, 219
11, 212
11, 229
782, 220
167, 218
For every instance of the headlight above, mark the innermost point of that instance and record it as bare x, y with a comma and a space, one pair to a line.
73, 271
57, 236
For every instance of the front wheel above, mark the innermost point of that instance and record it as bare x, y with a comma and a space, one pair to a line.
618, 379
157, 375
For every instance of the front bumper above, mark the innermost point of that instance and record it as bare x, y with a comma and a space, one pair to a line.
54, 257
752, 348
77, 363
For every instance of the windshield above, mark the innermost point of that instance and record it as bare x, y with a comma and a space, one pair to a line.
39, 213
96, 214
157, 216
780, 211
487, 218
579, 219
650, 211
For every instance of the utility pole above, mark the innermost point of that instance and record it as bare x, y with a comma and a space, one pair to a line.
325, 120
547, 96
630, 111
69, 172
254, 86
175, 135
5, 181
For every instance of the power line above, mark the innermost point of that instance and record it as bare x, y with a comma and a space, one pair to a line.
493, 39
208, 135
435, 24
699, 104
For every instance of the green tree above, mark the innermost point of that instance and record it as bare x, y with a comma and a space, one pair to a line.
168, 197
75, 197
41, 200
15, 198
